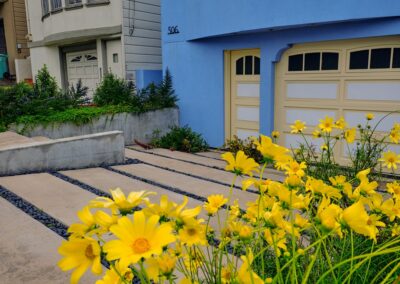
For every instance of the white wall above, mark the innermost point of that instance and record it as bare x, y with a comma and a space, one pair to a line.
87, 17
48, 55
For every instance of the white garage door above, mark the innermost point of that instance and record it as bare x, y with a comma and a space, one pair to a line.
339, 78
83, 65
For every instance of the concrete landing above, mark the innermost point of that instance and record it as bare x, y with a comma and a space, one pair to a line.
29, 250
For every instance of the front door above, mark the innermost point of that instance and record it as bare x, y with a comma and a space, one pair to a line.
244, 99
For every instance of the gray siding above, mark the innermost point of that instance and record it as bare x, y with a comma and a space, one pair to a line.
142, 35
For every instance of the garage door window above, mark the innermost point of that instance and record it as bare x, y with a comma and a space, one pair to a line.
248, 65
376, 58
314, 61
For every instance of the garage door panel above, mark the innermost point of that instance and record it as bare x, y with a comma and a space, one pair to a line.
356, 117
312, 90
373, 90
248, 113
309, 116
246, 133
248, 90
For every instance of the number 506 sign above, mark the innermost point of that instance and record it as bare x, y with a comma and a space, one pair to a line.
173, 30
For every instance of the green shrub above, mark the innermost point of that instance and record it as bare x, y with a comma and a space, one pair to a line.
181, 139
247, 146
115, 91
78, 94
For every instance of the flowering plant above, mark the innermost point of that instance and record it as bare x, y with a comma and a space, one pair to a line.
300, 230
364, 146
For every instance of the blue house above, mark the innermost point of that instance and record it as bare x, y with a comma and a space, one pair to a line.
244, 67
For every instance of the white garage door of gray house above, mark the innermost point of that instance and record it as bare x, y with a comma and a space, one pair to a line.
83, 65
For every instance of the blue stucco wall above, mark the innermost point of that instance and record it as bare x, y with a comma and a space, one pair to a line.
198, 69
144, 77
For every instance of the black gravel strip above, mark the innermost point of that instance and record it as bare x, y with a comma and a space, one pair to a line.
196, 176
37, 214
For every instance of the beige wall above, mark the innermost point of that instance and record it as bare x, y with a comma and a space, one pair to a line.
15, 26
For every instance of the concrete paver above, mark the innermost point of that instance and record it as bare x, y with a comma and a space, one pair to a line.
28, 250
214, 154
184, 156
185, 183
193, 169
56, 197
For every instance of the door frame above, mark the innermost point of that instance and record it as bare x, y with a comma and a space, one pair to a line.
227, 90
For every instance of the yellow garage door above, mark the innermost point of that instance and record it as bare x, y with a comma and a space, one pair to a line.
339, 79
242, 99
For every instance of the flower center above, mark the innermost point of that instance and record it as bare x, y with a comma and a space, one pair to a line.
191, 232
141, 245
89, 252
391, 160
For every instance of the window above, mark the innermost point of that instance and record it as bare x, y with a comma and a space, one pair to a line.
396, 58
376, 58
76, 59
56, 5
330, 61
380, 58
45, 7
248, 65
70, 3
359, 59
90, 57
312, 61
296, 62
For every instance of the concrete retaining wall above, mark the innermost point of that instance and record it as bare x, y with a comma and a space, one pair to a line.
68, 153
134, 126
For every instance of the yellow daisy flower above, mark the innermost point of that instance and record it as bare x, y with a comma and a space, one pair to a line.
80, 254
269, 150
138, 238
340, 123
120, 201
162, 265
241, 164
275, 134
350, 135
87, 225
193, 233
298, 126
245, 273
394, 136
390, 160
214, 203
326, 124
369, 116
114, 274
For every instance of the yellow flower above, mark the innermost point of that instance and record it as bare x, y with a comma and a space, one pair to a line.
269, 150
356, 217
390, 160
120, 201
298, 126
246, 274
193, 233
214, 203
294, 168
316, 133
80, 254
276, 239
241, 164
162, 265
329, 215
396, 230
350, 135
394, 136
324, 147
139, 239
245, 232
275, 134
227, 274
87, 225
113, 275
341, 123
369, 116
394, 188
326, 124
104, 220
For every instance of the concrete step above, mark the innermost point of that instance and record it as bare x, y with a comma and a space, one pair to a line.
10, 138
184, 156
29, 250
214, 154
54, 196
185, 183
40, 138
193, 169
